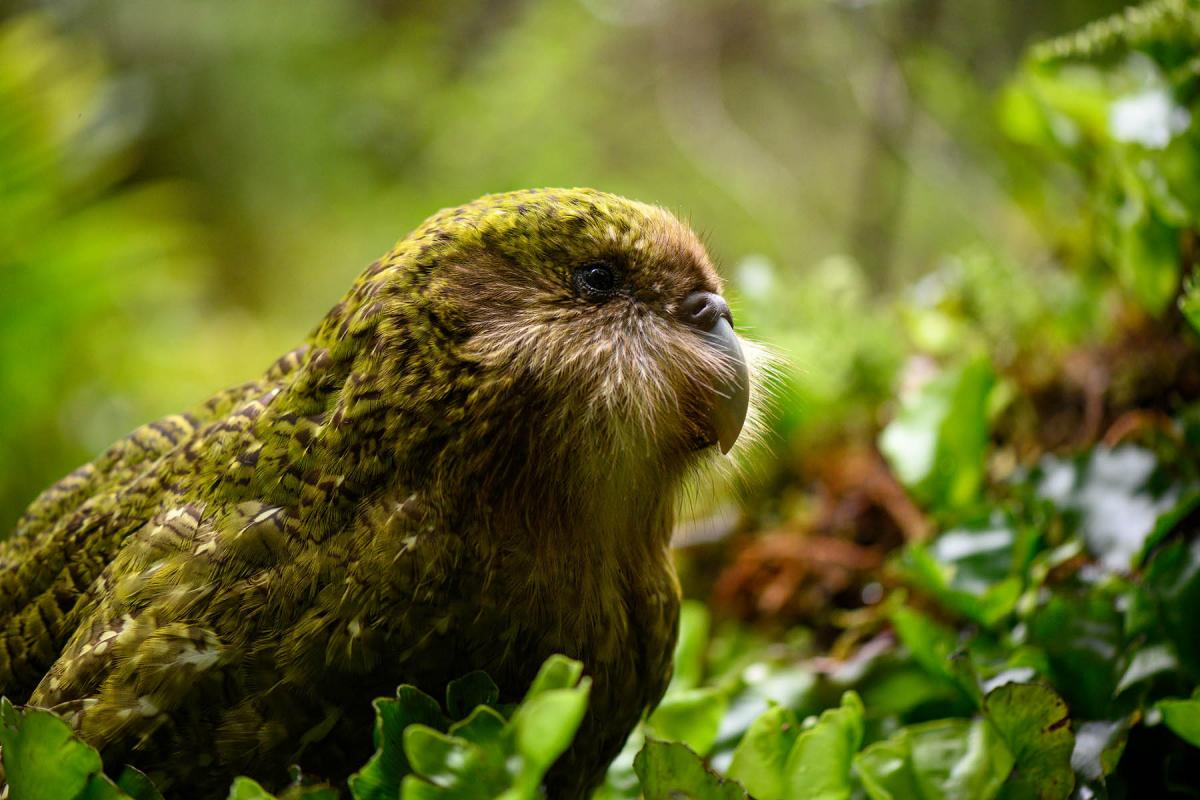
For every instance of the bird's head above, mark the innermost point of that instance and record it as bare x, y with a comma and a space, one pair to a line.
578, 331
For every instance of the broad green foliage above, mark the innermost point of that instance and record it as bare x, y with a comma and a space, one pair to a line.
84, 260
1026, 684
480, 750
1183, 717
671, 771
761, 760
42, 760
1033, 722
949, 759
937, 442
1116, 102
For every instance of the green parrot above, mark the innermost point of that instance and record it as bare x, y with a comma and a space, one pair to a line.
471, 464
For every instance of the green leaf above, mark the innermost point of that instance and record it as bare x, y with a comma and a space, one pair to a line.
1148, 662
670, 771
471, 690
101, 787
1183, 717
1118, 497
457, 768
1098, 748
1167, 522
1033, 721
558, 672
1082, 636
135, 783
246, 789
546, 723
761, 756
483, 756
968, 571
818, 766
1147, 257
690, 646
948, 759
691, 716
1189, 303
887, 772
41, 757
938, 441
435, 755
484, 725
1172, 581
935, 648
413, 788
903, 688
380, 778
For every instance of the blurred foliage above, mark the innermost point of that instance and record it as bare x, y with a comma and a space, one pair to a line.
94, 272
969, 565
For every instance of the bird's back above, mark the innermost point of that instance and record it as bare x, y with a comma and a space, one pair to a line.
73, 530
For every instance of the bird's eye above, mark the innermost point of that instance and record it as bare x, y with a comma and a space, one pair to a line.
595, 280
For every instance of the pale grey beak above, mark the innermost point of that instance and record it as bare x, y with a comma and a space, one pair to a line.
728, 412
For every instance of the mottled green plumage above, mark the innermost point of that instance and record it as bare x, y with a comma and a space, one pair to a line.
465, 467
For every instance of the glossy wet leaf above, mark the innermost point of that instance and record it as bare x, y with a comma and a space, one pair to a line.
670, 771
471, 690
137, 785
434, 755
484, 725
558, 672
760, 760
691, 716
1172, 581
1183, 717
246, 789
936, 648
1148, 662
938, 440
42, 759
1082, 636
1098, 747
1115, 496
546, 723
943, 760
968, 571
381, 776
818, 765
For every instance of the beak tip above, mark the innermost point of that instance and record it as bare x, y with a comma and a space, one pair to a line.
728, 413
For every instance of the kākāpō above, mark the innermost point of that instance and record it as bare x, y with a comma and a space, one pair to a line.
472, 463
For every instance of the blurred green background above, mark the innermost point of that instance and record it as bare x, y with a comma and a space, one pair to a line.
186, 187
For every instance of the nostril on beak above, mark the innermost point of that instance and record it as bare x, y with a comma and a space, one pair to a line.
704, 309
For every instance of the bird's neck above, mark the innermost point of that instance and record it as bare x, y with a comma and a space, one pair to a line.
530, 483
